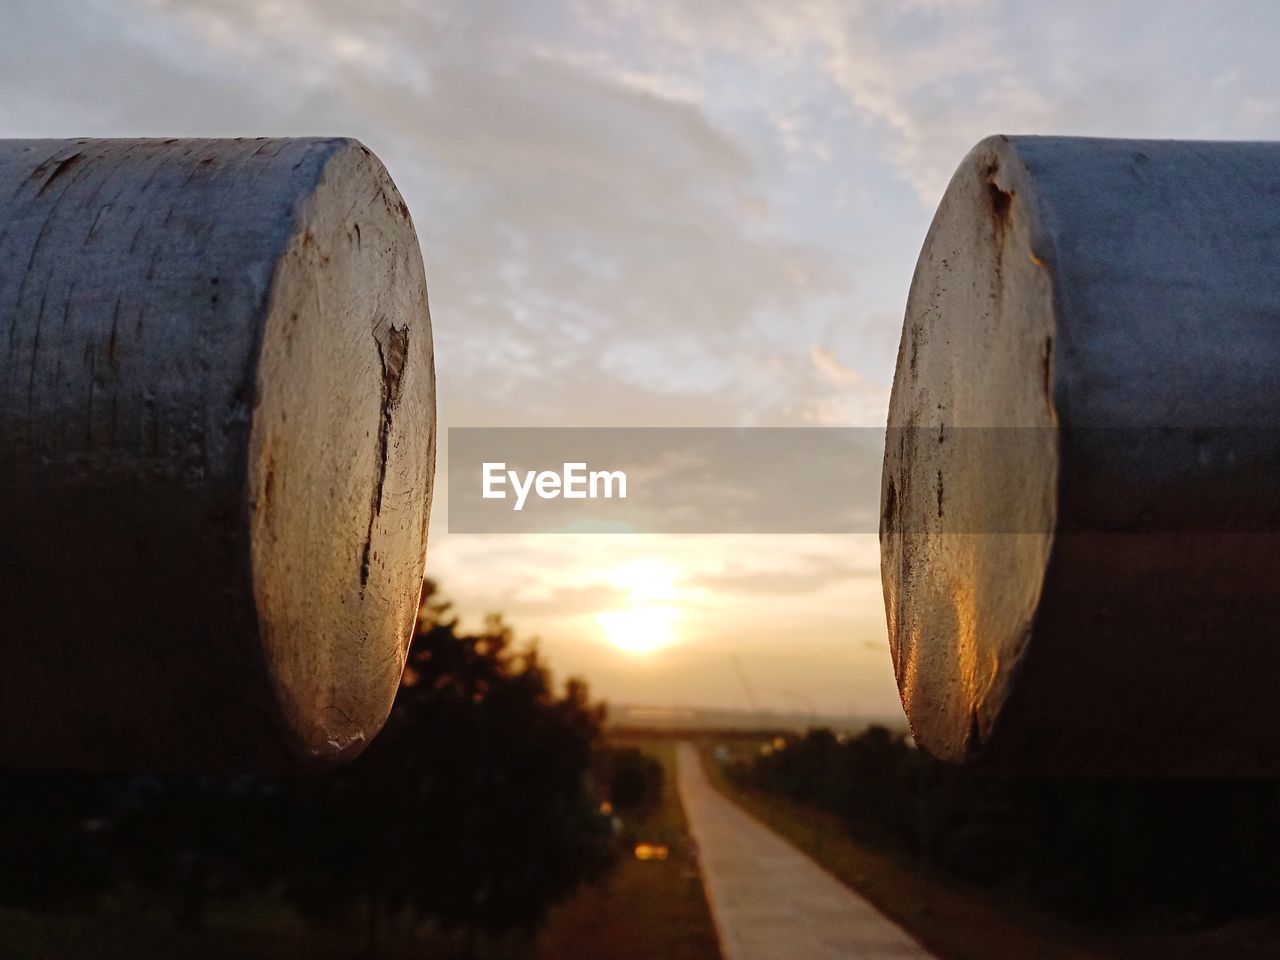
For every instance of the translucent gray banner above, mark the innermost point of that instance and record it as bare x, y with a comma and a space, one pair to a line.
827, 480
694, 480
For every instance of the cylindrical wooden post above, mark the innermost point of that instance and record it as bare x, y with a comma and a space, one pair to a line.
1081, 491
217, 436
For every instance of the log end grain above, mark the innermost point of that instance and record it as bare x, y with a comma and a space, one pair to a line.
217, 443
341, 459
968, 492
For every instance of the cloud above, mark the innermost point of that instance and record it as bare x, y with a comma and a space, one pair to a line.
932, 77
825, 362
567, 601
848, 398
650, 212
802, 575
928, 75
583, 219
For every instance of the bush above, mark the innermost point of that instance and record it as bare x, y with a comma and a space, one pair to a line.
472, 809
633, 780
1107, 848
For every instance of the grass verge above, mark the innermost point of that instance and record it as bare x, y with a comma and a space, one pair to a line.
962, 922
651, 910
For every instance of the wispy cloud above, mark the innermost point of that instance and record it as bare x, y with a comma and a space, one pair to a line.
801, 575
654, 212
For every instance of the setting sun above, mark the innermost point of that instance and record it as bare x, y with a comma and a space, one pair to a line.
639, 629
646, 625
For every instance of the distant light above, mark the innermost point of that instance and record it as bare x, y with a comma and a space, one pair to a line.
651, 851
779, 743
606, 807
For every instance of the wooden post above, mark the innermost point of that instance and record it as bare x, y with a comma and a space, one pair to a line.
1079, 542
217, 439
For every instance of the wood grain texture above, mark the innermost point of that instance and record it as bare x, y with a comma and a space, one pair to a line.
1080, 539
217, 439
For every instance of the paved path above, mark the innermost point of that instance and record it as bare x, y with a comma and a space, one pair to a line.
769, 900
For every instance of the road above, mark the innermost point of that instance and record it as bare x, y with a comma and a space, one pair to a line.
769, 900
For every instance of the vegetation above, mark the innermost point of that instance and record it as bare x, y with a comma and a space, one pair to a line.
475, 811
642, 910
1012, 867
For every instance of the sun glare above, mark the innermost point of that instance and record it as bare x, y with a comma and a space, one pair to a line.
646, 581
647, 624
638, 629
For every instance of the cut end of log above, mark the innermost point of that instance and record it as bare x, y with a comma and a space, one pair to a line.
342, 452
1080, 548
217, 443
970, 473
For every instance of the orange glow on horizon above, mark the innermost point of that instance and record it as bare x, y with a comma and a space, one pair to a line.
648, 623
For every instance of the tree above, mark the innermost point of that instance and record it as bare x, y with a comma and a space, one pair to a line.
633, 779
471, 808
1133, 848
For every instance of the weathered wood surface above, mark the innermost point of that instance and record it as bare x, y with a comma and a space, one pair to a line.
217, 439
1094, 586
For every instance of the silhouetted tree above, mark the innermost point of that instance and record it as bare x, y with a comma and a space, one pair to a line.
52, 850
633, 779
471, 808
198, 840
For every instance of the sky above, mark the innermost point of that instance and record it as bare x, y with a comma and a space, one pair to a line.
658, 213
